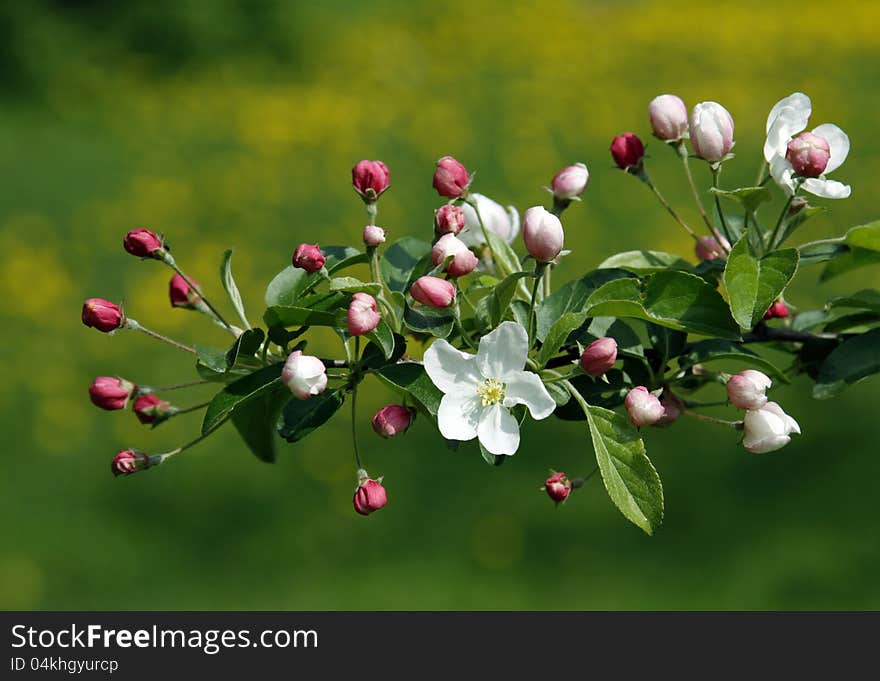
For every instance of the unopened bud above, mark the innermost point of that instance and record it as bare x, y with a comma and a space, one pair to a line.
373, 236
129, 461
808, 154
462, 262
111, 392
182, 294
669, 118
643, 407
369, 496
711, 131
448, 219
627, 151
542, 234
102, 315
451, 178
570, 182
149, 409
777, 310
433, 292
558, 487
370, 179
304, 375
362, 316
308, 257
392, 420
144, 244
599, 356
747, 389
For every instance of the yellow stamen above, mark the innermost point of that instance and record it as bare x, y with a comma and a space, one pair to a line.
492, 392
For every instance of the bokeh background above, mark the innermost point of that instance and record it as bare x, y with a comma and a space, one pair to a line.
232, 123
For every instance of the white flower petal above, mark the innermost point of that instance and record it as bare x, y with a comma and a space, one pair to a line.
526, 388
783, 174
513, 216
838, 141
502, 222
503, 351
498, 431
449, 368
459, 415
829, 189
788, 117
799, 106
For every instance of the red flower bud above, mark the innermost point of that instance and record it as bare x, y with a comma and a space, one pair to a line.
129, 461
370, 496
599, 356
777, 310
558, 487
111, 392
451, 178
627, 151
711, 247
102, 315
144, 244
149, 409
392, 420
448, 219
362, 317
373, 236
308, 257
808, 154
181, 294
644, 408
370, 179
433, 292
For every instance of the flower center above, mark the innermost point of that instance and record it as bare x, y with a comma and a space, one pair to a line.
491, 392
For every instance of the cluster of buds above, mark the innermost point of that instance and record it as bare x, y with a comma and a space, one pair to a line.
766, 426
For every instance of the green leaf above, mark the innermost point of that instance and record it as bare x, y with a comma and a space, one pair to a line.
865, 236
383, 337
489, 457
240, 392
301, 417
352, 285
866, 299
628, 341
853, 360
817, 252
437, 323
284, 315
668, 343
571, 297
853, 259
716, 349
645, 262
245, 346
285, 288
411, 379
502, 295
400, 260
212, 359
374, 356
754, 283
559, 394
750, 198
677, 300
506, 259
558, 334
256, 421
231, 287
630, 478
340, 257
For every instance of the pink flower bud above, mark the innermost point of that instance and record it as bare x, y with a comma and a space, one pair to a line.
370, 179
304, 375
373, 236
669, 118
102, 315
433, 292
111, 392
777, 310
451, 178
129, 461
143, 243
644, 409
627, 151
370, 496
149, 409
392, 420
570, 182
808, 154
362, 316
558, 487
450, 246
746, 390
542, 233
308, 257
711, 130
448, 219
181, 294
599, 356
711, 247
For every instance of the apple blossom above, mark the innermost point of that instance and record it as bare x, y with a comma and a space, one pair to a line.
129, 461
789, 116
370, 179
643, 407
433, 292
599, 356
711, 131
308, 257
502, 222
304, 375
450, 246
451, 178
808, 154
542, 234
144, 244
392, 420
369, 496
746, 390
449, 219
570, 182
102, 315
111, 392
627, 151
373, 236
768, 428
479, 390
362, 316
669, 118
558, 487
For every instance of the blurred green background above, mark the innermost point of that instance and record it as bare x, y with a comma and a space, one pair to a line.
233, 123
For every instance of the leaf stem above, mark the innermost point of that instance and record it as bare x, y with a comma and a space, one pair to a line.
148, 389
173, 452
736, 425
186, 410
644, 177
771, 242
682, 152
716, 173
